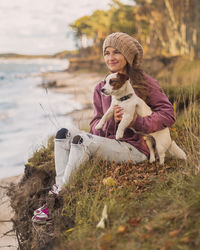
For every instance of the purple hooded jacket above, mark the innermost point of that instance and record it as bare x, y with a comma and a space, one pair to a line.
162, 116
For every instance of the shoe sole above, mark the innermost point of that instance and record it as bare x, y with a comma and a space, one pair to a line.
41, 222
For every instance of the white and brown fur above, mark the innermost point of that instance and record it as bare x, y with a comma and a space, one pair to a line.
118, 86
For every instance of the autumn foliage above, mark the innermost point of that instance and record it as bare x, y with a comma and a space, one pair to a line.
165, 27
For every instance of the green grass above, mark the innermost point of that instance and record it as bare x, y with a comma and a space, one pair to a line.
165, 213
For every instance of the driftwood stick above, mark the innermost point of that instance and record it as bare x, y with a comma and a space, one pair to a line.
6, 233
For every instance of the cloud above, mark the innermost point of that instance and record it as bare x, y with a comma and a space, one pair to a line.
40, 26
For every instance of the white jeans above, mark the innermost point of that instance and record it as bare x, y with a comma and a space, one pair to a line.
69, 156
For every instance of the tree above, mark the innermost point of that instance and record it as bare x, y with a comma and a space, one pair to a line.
174, 24
122, 18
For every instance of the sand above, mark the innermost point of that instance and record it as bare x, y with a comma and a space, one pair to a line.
7, 236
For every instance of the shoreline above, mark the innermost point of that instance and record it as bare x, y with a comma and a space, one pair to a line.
80, 86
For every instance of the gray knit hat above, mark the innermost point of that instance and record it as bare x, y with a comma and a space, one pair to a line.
127, 45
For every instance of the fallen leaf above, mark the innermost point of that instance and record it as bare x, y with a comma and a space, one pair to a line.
121, 229
143, 236
148, 228
174, 233
173, 129
134, 221
185, 240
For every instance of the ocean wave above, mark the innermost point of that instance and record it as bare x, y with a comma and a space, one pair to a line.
40, 61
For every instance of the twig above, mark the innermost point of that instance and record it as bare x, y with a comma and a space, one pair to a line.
5, 234
5, 187
5, 220
19, 243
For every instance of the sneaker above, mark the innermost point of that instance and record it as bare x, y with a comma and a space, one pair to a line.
40, 209
54, 190
42, 217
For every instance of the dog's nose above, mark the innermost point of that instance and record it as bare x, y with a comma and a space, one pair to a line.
103, 90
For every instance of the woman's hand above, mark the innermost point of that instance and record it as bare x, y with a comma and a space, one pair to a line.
118, 113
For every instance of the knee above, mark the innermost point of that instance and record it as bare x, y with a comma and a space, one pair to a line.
77, 139
62, 133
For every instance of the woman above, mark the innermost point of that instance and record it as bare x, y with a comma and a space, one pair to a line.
122, 53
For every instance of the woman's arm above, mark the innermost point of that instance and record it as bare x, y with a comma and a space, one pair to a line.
163, 111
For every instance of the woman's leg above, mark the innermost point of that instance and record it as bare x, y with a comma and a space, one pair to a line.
71, 153
85, 145
62, 143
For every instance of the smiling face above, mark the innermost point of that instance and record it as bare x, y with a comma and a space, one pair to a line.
114, 60
114, 83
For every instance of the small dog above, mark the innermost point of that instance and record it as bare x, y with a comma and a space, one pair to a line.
119, 87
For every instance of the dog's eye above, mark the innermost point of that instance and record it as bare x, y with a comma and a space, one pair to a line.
111, 82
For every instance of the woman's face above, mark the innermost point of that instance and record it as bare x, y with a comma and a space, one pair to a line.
114, 60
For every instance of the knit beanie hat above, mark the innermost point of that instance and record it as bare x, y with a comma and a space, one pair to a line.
128, 46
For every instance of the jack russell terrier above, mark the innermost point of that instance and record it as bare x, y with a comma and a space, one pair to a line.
119, 87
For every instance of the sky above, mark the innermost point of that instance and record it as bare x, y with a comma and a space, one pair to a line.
42, 26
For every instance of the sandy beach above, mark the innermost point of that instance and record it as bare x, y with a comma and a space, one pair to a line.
81, 86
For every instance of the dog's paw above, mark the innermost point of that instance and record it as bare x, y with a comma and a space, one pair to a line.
119, 136
98, 126
152, 159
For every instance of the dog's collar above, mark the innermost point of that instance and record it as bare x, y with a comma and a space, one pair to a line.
126, 97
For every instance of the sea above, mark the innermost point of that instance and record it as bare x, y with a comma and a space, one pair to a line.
29, 114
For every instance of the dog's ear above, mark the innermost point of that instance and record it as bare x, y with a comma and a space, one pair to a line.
123, 77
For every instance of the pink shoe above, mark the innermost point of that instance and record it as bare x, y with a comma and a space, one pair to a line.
40, 209
42, 217
54, 190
